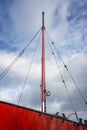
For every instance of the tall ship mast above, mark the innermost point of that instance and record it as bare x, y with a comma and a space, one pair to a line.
43, 67
17, 117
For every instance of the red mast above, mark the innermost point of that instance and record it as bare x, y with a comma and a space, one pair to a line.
43, 67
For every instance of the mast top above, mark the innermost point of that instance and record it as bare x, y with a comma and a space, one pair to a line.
43, 20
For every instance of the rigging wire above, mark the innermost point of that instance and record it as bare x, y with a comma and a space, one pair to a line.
65, 66
15, 59
63, 81
26, 78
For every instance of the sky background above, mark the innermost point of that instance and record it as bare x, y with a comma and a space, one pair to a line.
66, 22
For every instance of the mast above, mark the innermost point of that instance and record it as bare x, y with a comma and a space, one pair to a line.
43, 67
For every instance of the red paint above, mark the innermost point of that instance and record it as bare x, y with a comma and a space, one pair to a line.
18, 118
43, 65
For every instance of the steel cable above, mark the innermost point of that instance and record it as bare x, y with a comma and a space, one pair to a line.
67, 70
15, 59
26, 78
63, 81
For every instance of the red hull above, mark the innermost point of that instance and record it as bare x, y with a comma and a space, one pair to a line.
13, 117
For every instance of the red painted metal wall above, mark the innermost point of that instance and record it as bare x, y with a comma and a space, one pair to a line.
16, 118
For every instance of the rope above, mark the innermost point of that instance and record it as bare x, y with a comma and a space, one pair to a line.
58, 54
28, 72
65, 66
15, 59
63, 81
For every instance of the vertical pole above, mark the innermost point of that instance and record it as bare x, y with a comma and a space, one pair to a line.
43, 67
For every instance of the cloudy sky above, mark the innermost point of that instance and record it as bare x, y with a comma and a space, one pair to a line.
66, 22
